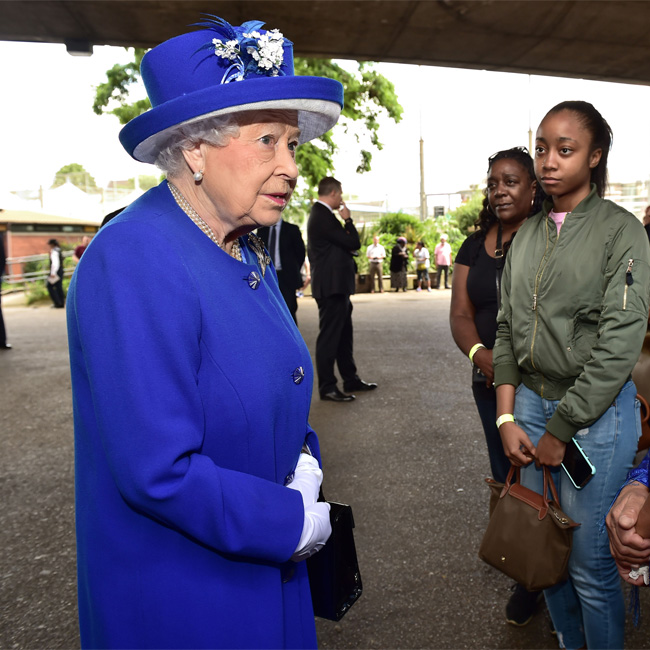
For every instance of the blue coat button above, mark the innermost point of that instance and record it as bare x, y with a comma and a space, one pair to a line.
253, 280
298, 375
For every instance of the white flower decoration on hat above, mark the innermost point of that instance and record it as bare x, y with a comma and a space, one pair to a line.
250, 51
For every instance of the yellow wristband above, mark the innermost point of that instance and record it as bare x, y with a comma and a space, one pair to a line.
506, 417
474, 350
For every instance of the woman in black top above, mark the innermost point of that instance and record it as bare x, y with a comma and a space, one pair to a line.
511, 195
399, 259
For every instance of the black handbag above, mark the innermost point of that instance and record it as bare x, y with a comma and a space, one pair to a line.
334, 576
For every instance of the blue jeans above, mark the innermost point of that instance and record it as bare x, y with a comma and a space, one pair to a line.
588, 607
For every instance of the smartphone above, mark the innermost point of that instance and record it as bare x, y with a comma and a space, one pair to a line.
578, 467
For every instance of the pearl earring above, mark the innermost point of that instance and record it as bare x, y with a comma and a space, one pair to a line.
198, 176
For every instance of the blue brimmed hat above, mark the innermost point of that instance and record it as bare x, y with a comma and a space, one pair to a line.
221, 70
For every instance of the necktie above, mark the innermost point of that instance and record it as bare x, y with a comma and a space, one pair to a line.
272, 240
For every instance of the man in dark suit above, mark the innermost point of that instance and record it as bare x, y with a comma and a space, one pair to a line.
3, 334
287, 249
330, 247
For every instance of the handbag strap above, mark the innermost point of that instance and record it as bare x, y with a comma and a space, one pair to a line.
500, 259
549, 483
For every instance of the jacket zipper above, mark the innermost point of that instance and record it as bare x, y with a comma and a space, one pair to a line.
538, 279
629, 281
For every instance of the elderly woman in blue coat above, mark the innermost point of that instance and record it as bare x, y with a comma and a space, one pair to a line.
197, 473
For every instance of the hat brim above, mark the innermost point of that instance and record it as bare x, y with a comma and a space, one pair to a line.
318, 101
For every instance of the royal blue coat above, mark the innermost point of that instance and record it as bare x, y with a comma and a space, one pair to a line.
189, 414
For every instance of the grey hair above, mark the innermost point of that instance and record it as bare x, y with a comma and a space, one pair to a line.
215, 131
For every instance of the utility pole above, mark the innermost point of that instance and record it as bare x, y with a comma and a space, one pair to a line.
530, 127
423, 196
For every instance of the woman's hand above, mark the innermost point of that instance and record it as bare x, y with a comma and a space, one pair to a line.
307, 479
483, 359
550, 450
517, 445
316, 530
628, 548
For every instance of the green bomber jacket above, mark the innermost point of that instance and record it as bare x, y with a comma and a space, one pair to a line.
574, 309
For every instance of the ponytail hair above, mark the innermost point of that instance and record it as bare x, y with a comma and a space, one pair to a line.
601, 137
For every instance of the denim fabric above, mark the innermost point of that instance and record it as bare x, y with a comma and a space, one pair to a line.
588, 607
486, 403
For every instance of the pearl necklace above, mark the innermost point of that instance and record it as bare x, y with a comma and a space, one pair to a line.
185, 206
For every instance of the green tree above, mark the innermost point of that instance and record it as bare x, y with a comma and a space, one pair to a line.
144, 182
77, 175
367, 95
467, 214
115, 90
397, 223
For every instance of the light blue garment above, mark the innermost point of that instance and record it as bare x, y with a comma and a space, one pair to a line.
589, 606
190, 410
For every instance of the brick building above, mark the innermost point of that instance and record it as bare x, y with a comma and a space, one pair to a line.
27, 233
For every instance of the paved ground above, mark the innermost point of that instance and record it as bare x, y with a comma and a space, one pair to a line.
409, 457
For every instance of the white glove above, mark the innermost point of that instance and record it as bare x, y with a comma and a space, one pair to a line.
307, 479
316, 530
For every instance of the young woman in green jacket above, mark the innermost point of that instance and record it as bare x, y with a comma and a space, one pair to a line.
572, 322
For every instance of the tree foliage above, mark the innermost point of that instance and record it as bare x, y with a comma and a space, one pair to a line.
399, 224
115, 90
367, 95
396, 223
145, 182
77, 175
466, 215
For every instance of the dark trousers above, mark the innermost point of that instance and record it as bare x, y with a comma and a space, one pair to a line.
439, 270
3, 333
486, 403
334, 342
56, 293
288, 292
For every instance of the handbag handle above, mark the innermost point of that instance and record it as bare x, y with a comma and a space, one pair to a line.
548, 483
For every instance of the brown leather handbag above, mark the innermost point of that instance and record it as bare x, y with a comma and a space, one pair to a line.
528, 536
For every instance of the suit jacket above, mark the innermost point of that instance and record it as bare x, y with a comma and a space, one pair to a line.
330, 244
3, 260
292, 251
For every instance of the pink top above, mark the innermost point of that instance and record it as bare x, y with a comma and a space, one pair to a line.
558, 217
442, 254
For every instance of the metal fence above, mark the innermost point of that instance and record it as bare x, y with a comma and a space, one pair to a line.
21, 281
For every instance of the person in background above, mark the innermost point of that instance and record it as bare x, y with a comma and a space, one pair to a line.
197, 472
444, 259
3, 262
55, 276
287, 250
573, 317
305, 274
79, 250
376, 255
421, 256
399, 259
331, 246
511, 196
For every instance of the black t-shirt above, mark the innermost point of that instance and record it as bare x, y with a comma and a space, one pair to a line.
481, 286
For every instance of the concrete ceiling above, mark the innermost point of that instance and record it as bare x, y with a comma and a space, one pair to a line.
593, 39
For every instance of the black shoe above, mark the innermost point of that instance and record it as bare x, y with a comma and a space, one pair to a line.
358, 385
6, 346
336, 396
521, 606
